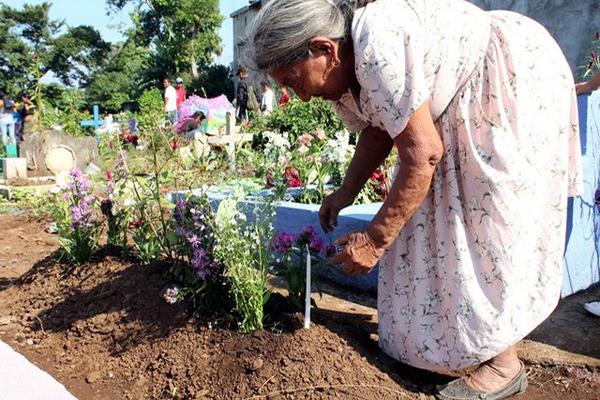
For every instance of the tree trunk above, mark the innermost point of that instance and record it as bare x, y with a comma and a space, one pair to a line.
194, 63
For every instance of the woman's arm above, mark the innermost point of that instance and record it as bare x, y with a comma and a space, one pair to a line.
373, 146
420, 149
589, 86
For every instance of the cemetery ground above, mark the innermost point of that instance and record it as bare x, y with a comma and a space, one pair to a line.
104, 332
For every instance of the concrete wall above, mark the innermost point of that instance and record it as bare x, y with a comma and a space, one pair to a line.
572, 23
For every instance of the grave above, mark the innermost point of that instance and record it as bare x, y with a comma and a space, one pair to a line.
13, 168
582, 255
81, 151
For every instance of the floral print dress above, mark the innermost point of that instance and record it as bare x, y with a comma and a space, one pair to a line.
479, 264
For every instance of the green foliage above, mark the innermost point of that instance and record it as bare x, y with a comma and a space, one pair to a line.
66, 108
592, 64
37, 203
122, 78
243, 248
182, 32
30, 41
299, 117
214, 80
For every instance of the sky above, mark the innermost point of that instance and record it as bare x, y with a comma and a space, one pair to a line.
93, 13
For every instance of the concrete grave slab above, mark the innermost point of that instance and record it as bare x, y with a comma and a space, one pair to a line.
20, 379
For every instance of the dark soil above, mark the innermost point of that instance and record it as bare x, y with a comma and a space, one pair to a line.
105, 332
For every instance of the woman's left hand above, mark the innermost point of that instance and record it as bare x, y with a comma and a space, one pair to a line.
359, 255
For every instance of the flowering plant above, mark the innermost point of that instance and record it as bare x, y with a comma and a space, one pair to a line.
290, 249
593, 62
78, 227
117, 210
242, 247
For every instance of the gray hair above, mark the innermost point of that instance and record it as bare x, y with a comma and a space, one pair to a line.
281, 31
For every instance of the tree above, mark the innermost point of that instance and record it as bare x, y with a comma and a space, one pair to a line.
183, 33
122, 79
30, 40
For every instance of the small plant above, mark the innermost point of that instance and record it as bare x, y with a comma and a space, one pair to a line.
78, 228
116, 208
243, 248
592, 64
290, 250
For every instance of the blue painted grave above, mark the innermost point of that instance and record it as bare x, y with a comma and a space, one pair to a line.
582, 254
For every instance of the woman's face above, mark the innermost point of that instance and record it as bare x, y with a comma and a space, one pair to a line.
321, 75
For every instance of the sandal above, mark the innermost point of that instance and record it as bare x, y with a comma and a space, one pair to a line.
458, 389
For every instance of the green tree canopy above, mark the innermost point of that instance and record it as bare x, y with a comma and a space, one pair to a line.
30, 40
123, 78
183, 33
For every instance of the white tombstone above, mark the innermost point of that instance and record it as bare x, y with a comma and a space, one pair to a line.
14, 168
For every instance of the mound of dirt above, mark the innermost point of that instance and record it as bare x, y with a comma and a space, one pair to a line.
105, 332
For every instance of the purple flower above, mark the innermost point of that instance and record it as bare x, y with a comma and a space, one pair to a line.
315, 243
202, 264
194, 240
78, 184
282, 242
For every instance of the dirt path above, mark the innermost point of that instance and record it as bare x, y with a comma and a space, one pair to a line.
105, 333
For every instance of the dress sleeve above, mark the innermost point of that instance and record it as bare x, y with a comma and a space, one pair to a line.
351, 121
389, 67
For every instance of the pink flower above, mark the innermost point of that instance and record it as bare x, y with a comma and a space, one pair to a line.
305, 139
174, 145
319, 134
303, 149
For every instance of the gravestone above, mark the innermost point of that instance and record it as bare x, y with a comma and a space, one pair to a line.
35, 149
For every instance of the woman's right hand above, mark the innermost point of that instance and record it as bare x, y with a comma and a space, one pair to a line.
331, 207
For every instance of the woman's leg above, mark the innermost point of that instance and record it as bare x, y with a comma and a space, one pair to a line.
495, 373
4, 132
11, 132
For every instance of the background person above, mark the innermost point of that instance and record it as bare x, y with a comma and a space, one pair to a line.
7, 122
471, 235
170, 100
241, 95
180, 90
268, 98
285, 97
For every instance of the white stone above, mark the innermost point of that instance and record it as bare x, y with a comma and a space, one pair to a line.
14, 168
60, 158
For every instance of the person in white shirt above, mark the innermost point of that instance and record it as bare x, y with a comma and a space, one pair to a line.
170, 100
268, 98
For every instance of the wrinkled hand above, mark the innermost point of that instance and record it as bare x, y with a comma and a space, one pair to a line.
331, 207
581, 88
359, 255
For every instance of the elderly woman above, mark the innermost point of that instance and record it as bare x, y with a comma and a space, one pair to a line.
481, 110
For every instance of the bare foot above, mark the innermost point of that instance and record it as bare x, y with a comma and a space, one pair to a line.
496, 373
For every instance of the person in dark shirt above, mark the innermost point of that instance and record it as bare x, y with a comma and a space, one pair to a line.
241, 95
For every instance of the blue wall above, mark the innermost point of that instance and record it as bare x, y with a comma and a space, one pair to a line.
582, 263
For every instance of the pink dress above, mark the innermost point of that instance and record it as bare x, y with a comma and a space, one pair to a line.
479, 265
